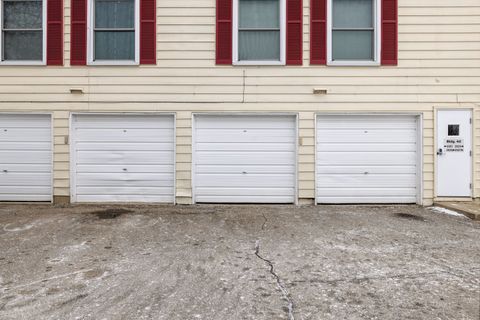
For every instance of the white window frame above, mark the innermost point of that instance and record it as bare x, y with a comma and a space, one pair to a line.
283, 27
91, 39
377, 42
44, 39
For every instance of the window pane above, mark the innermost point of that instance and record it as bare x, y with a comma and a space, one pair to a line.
352, 13
114, 45
23, 45
259, 14
352, 45
259, 45
114, 14
22, 15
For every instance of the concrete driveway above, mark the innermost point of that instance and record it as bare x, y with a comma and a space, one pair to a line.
237, 262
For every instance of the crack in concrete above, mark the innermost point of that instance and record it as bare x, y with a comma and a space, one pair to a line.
265, 220
280, 284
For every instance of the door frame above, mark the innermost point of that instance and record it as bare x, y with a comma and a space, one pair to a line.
73, 162
228, 114
52, 150
435, 146
420, 148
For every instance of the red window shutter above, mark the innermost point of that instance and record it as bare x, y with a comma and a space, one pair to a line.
55, 32
148, 32
318, 31
78, 34
294, 32
224, 32
389, 32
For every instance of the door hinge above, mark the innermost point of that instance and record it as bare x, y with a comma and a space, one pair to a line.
471, 154
470, 120
470, 186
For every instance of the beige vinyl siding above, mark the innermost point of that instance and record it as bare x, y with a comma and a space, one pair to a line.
439, 66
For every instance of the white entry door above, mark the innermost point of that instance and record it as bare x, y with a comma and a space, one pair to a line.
245, 159
454, 153
123, 158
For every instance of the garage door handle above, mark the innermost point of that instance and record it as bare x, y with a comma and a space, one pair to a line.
5, 171
124, 169
244, 172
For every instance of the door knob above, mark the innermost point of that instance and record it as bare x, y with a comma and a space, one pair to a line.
440, 152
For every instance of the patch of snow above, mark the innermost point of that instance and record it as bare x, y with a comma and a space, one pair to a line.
447, 211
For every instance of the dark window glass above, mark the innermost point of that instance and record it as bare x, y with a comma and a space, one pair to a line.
22, 30
453, 129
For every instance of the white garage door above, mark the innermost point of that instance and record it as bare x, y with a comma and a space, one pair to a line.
245, 159
366, 159
25, 158
120, 158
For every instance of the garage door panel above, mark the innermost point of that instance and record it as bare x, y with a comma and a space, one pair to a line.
26, 146
157, 198
122, 158
26, 168
359, 169
359, 136
119, 146
26, 121
251, 169
25, 135
364, 159
261, 122
125, 157
245, 159
245, 180
122, 122
118, 135
367, 158
366, 181
367, 192
131, 168
125, 191
125, 179
27, 156
247, 147
26, 179
224, 191
366, 122
358, 199
245, 199
368, 147
19, 190
251, 136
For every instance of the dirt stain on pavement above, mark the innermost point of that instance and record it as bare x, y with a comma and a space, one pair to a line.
110, 213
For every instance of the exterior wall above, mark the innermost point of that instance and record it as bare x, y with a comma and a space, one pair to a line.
439, 66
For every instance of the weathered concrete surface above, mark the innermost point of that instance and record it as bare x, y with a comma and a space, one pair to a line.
214, 262
470, 209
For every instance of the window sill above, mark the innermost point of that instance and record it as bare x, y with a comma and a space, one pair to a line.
112, 63
353, 63
258, 63
23, 63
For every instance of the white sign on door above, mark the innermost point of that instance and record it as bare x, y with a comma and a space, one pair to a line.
454, 145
